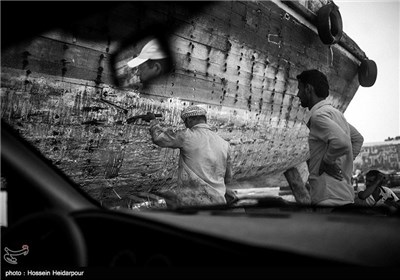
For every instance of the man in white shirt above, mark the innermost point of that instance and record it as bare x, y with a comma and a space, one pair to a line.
204, 161
333, 143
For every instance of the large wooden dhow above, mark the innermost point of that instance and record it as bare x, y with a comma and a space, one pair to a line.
238, 59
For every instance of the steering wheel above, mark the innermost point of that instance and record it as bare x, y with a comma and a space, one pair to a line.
47, 238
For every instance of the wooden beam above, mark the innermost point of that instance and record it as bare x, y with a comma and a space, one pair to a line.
296, 184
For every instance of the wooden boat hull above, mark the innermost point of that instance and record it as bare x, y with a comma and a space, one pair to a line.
238, 59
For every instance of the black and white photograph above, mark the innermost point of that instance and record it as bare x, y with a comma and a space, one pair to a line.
200, 139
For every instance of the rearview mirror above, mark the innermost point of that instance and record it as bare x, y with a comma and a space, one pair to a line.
139, 62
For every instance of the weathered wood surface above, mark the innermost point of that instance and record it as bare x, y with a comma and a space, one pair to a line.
241, 63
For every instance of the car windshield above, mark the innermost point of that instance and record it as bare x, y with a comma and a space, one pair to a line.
76, 93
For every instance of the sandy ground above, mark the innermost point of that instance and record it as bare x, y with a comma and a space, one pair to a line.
276, 185
272, 185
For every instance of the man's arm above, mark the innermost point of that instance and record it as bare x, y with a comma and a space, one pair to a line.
162, 137
339, 143
367, 192
357, 141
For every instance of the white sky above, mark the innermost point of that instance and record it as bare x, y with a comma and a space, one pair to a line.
375, 27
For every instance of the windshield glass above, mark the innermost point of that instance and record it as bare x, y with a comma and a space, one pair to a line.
164, 137
105, 104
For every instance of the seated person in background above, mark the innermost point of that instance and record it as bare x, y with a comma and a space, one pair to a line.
375, 194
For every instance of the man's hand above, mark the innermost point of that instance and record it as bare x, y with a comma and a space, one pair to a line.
230, 196
148, 117
332, 170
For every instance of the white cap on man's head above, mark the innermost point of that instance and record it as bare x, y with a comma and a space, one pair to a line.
152, 50
192, 111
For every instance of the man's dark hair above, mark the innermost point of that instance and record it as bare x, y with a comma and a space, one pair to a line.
372, 173
317, 79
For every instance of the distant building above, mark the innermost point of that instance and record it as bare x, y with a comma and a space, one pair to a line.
379, 155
